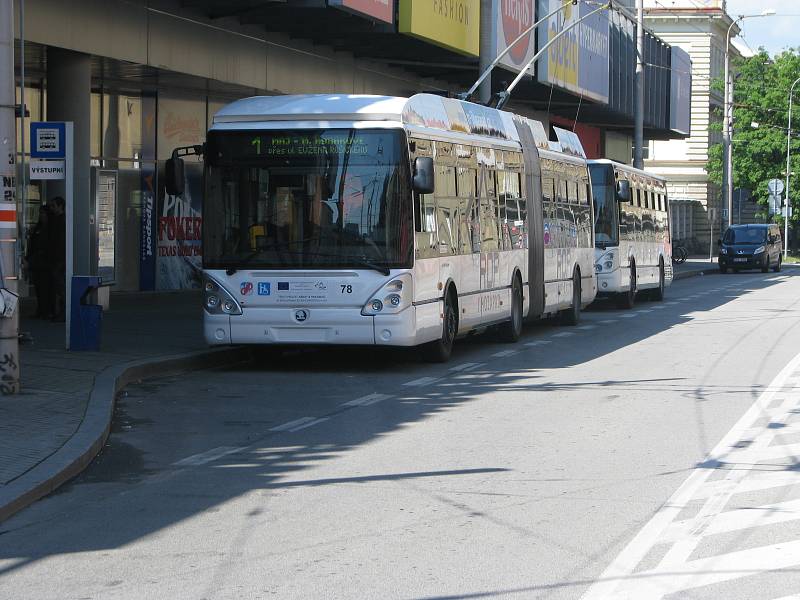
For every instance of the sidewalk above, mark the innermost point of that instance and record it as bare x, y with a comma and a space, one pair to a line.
52, 430
695, 266
59, 422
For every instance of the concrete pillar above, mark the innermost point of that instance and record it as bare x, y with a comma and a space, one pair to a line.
69, 90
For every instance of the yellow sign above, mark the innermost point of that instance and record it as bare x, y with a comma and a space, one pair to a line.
454, 24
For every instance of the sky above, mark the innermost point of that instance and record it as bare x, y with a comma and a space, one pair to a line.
773, 33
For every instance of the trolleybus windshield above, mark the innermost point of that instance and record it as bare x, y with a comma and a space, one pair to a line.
606, 210
307, 199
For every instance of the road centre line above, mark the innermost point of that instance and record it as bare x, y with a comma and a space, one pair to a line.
366, 400
309, 424
421, 381
505, 353
291, 424
202, 458
678, 571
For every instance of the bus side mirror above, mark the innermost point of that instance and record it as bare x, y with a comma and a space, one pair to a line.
173, 176
624, 191
422, 180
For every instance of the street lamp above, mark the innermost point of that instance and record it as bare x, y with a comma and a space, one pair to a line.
788, 173
727, 184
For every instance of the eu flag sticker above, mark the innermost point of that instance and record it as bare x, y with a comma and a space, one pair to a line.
263, 288
283, 285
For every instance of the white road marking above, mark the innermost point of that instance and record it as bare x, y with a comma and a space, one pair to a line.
288, 426
586, 327
659, 307
309, 424
744, 465
563, 334
464, 367
642, 311
609, 321
207, 456
538, 343
672, 303
504, 353
628, 316
366, 400
421, 381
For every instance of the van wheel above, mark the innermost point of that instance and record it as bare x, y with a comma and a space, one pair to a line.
765, 266
777, 268
439, 351
511, 330
572, 315
628, 299
658, 293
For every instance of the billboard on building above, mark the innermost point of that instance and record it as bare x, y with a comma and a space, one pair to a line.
579, 60
680, 96
454, 24
381, 10
514, 17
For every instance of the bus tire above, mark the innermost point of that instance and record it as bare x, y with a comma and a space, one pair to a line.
628, 299
511, 330
439, 351
572, 315
658, 293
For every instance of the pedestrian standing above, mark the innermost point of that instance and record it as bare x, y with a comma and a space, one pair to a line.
36, 258
57, 256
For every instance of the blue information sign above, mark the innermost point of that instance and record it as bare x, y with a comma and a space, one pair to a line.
48, 140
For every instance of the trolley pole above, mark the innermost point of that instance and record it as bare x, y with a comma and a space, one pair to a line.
9, 315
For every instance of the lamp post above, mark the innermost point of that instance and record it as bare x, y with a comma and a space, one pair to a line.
788, 173
727, 184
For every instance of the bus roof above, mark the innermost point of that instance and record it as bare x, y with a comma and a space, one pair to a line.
627, 169
420, 113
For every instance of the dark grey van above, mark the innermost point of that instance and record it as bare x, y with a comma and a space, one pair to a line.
751, 247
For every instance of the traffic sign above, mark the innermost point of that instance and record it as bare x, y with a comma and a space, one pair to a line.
775, 187
48, 140
774, 204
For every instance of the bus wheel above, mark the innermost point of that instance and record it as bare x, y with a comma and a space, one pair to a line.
511, 330
572, 315
628, 299
658, 293
440, 350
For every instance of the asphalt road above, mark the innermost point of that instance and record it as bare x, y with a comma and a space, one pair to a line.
545, 469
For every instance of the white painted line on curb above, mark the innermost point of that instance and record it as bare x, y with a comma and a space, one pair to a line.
505, 353
207, 456
538, 343
309, 424
420, 381
288, 426
366, 400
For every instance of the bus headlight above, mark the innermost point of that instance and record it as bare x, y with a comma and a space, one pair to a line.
218, 301
605, 262
391, 298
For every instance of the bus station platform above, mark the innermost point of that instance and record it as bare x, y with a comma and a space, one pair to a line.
61, 419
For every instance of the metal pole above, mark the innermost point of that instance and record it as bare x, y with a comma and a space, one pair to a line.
23, 187
507, 94
638, 146
486, 50
9, 327
727, 169
788, 173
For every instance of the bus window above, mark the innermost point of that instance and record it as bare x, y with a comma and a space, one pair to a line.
606, 215
446, 208
469, 223
490, 238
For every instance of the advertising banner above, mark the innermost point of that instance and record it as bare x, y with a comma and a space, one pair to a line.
680, 101
578, 61
514, 17
453, 24
382, 10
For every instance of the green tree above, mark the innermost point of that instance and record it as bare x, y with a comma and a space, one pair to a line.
761, 95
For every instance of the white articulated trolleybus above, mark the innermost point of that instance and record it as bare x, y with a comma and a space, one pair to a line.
632, 232
335, 219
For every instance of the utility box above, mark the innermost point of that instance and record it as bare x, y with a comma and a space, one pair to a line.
86, 317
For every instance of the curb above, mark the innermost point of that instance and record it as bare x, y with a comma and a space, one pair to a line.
695, 272
76, 454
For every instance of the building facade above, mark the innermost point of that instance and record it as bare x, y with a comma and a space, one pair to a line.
140, 78
699, 27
